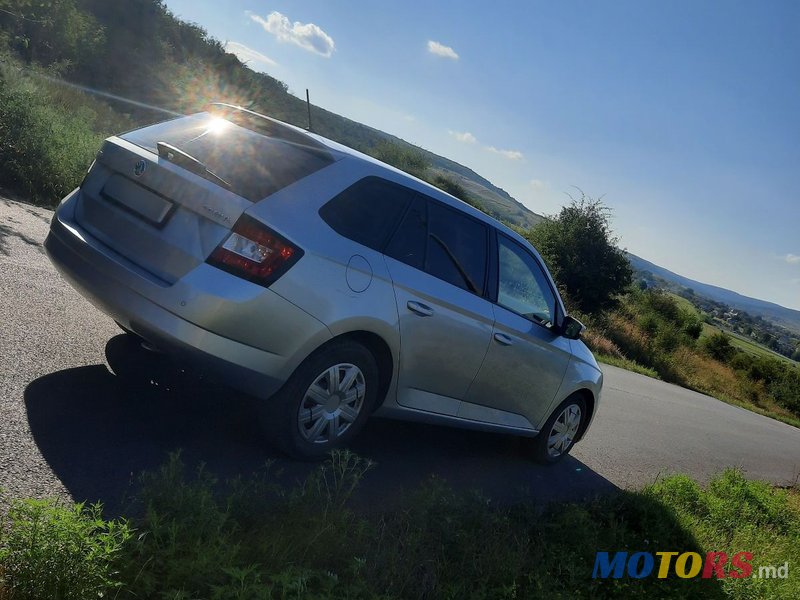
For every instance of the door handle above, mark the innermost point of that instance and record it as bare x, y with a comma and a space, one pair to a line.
502, 338
419, 308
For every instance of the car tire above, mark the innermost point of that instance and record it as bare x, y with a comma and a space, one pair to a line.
558, 435
325, 402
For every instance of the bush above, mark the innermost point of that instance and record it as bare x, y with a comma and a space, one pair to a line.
46, 140
718, 346
658, 302
55, 32
693, 327
785, 389
59, 552
582, 254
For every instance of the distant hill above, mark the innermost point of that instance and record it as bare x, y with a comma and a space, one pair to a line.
786, 317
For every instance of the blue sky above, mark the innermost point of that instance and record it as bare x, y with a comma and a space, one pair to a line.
684, 115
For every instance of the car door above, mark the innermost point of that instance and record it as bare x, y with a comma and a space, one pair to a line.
438, 262
527, 358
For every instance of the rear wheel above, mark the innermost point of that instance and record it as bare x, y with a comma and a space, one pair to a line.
560, 431
325, 402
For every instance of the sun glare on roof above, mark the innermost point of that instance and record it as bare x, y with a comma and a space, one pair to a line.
216, 126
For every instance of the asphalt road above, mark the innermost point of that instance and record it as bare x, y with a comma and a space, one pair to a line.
83, 412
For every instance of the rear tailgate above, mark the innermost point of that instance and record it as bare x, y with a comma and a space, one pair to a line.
167, 219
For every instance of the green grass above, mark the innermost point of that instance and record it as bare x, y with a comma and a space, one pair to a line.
53, 550
624, 363
253, 539
684, 304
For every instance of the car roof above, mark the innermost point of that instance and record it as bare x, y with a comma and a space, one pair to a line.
295, 134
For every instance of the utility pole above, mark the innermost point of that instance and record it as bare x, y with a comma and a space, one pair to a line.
308, 105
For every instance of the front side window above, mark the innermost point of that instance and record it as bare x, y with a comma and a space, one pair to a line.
523, 286
367, 211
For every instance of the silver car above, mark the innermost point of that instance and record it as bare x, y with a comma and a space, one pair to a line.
328, 284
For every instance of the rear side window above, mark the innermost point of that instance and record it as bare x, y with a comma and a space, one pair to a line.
443, 242
368, 211
254, 165
409, 242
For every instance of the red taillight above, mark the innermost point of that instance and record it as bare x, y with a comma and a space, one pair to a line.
254, 252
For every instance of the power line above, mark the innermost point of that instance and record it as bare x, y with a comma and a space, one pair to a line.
24, 18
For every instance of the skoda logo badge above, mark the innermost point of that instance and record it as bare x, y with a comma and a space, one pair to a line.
140, 167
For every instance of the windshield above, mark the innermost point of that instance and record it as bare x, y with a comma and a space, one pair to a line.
254, 165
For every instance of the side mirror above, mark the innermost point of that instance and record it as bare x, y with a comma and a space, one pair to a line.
571, 328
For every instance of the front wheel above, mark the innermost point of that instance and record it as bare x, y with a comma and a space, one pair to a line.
325, 402
560, 431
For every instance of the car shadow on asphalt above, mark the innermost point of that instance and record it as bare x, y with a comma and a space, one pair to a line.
99, 429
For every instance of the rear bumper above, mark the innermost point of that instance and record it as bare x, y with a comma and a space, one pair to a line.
195, 319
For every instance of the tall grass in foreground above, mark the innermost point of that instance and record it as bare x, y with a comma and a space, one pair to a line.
254, 539
50, 550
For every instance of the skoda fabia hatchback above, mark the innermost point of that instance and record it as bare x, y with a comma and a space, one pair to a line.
329, 285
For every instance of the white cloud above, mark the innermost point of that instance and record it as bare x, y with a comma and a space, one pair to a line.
247, 55
306, 35
441, 50
464, 137
509, 154
792, 259
537, 184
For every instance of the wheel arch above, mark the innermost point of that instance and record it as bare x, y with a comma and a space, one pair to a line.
379, 348
591, 404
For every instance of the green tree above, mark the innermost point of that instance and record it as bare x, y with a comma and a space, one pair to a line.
53, 33
582, 253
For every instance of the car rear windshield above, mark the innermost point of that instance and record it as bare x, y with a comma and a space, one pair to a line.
255, 166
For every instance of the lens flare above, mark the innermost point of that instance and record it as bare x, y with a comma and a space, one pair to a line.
216, 126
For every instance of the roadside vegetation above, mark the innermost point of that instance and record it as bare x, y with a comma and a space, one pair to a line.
651, 331
649, 328
753, 334
192, 537
48, 134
